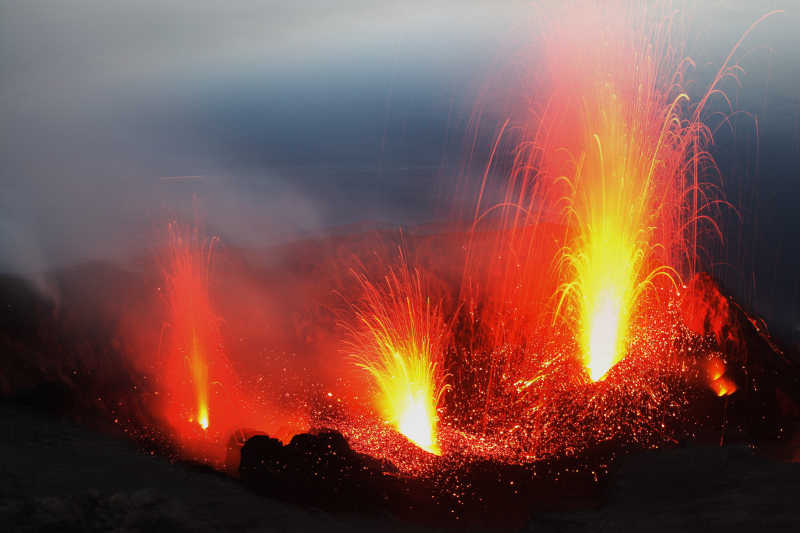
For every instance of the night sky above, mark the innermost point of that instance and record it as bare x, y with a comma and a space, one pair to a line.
295, 121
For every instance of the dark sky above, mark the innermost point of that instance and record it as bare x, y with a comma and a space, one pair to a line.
301, 118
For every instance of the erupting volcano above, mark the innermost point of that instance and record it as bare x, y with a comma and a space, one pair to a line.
608, 199
492, 358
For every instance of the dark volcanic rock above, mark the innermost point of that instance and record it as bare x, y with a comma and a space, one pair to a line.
321, 469
262, 462
317, 468
767, 402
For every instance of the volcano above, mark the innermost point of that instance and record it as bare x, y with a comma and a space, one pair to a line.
343, 464
556, 333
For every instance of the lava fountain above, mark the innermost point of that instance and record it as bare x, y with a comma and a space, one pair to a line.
635, 187
399, 338
623, 191
195, 344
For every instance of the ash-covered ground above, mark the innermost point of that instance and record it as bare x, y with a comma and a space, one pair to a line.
58, 476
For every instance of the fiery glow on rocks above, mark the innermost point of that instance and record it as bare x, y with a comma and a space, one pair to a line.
720, 383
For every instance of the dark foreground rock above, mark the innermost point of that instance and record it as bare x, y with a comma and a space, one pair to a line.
716, 489
56, 476
318, 469
321, 469
59, 476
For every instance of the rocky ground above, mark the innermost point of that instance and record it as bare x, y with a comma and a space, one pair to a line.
58, 476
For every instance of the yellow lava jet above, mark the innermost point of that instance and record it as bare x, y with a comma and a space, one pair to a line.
200, 379
618, 210
399, 339
624, 140
408, 396
604, 333
194, 355
614, 210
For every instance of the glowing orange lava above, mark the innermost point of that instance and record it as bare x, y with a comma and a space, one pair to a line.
632, 175
200, 379
193, 329
617, 205
199, 394
398, 339
723, 387
720, 383
610, 199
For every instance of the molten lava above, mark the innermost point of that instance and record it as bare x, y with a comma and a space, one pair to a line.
410, 399
199, 397
617, 204
399, 339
